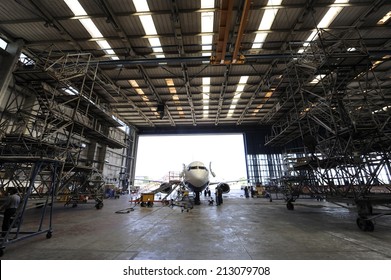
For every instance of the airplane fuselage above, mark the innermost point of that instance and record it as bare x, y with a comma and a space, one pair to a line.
196, 176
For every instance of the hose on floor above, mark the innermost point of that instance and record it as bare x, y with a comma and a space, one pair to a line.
125, 211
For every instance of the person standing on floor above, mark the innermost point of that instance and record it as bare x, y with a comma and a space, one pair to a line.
10, 206
217, 197
220, 195
246, 192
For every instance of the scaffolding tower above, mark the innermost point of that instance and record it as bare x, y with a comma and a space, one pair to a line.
35, 180
54, 121
332, 101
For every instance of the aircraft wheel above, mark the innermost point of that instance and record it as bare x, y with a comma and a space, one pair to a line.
48, 235
370, 226
365, 225
99, 205
290, 206
361, 224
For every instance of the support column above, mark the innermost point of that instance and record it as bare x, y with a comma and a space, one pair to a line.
101, 157
7, 62
91, 153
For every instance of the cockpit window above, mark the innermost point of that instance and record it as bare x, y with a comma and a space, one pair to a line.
196, 167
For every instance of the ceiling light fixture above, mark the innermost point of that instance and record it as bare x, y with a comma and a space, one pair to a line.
266, 23
237, 95
384, 19
89, 25
317, 79
325, 22
149, 27
207, 22
205, 96
175, 97
3, 44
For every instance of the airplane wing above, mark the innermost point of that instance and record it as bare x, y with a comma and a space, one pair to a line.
150, 181
224, 185
231, 181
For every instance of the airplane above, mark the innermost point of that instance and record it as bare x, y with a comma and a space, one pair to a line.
194, 177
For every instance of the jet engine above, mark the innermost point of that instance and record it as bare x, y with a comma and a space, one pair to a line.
224, 187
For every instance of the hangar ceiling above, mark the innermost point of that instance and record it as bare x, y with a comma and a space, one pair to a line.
208, 64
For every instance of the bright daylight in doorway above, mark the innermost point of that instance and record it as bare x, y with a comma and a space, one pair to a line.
158, 155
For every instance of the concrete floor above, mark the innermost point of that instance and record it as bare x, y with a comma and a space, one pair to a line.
240, 229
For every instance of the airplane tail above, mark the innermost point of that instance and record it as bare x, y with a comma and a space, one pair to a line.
210, 169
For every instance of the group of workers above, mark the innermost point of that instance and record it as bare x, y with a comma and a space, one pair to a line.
251, 191
218, 196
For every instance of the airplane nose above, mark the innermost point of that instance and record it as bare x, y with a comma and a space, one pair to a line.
198, 178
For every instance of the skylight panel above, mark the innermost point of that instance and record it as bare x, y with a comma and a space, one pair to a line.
141, 5
136, 87
205, 95
259, 40
325, 22
155, 45
107, 49
170, 82
71, 90
89, 25
25, 59
207, 42
75, 7
317, 79
133, 83
207, 4
269, 94
328, 18
3, 44
104, 45
384, 19
149, 27
240, 88
268, 17
231, 110
207, 21
265, 24
91, 28
237, 94
175, 97
243, 79
256, 111
141, 93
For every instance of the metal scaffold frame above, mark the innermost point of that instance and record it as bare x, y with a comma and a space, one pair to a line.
342, 117
58, 111
56, 114
35, 180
